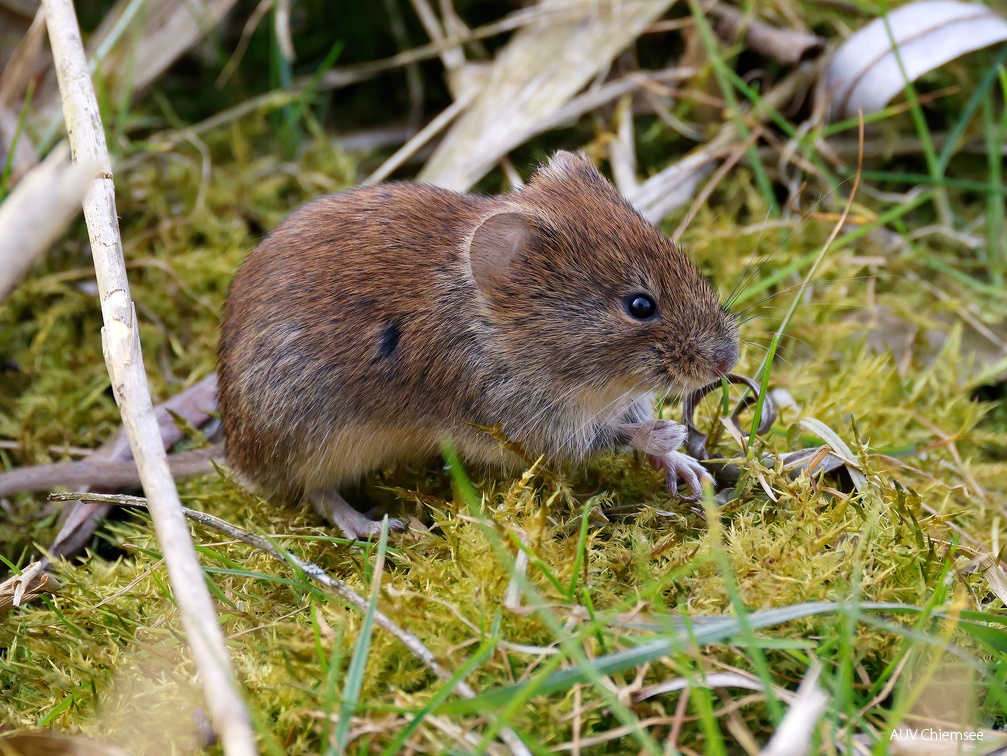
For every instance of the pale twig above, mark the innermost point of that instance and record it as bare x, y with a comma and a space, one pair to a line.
124, 360
622, 149
193, 406
672, 187
704, 194
283, 38
254, 19
106, 472
451, 55
341, 77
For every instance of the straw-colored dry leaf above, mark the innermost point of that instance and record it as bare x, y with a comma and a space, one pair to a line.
837, 447
38, 211
542, 67
989, 567
794, 735
36, 743
18, 590
865, 72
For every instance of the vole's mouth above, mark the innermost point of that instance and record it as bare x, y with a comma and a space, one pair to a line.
682, 389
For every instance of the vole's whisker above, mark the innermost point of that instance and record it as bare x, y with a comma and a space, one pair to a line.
782, 347
743, 279
794, 287
791, 233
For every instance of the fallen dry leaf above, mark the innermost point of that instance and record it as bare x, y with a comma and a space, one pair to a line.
865, 72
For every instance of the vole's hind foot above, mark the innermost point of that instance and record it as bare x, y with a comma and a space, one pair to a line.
660, 441
679, 466
354, 525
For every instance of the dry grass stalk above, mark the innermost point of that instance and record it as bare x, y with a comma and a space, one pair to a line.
672, 187
346, 75
21, 65
79, 521
38, 211
418, 141
100, 470
452, 56
542, 67
120, 341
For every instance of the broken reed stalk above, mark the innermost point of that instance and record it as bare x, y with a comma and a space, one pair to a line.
121, 346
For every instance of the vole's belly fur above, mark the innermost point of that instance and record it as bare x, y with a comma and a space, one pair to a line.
327, 373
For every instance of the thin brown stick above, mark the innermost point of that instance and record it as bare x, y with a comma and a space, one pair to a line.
419, 140
193, 406
124, 360
704, 194
102, 473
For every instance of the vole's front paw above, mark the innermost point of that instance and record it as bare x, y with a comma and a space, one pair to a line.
679, 466
655, 437
660, 440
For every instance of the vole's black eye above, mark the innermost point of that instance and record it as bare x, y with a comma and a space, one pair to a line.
641, 306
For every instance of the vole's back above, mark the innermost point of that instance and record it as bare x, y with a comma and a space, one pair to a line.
327, 328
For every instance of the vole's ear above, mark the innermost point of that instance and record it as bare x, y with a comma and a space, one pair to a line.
497, 243
566, 166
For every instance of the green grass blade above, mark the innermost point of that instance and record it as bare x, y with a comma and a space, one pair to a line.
361, 649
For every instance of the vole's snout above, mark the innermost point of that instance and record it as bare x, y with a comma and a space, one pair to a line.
724, 357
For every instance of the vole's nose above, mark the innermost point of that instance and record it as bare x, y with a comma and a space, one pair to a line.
724, 357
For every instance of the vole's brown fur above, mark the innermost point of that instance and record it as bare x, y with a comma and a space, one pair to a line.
372, 324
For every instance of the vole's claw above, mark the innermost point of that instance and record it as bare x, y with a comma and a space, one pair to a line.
355, 525
677, 465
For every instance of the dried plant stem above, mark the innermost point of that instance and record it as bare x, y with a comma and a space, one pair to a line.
121, 346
